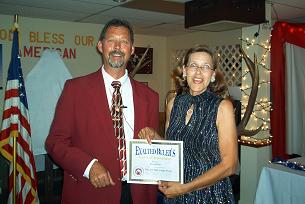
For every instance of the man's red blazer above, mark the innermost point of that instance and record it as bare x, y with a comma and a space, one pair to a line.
82, 130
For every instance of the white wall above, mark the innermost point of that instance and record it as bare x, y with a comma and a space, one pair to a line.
203, 37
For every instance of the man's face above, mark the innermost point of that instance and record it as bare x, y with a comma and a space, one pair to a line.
116, 47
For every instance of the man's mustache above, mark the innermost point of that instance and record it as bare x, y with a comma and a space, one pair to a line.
117, 52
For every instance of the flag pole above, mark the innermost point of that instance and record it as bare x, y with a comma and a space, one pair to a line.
14, 166
14, 136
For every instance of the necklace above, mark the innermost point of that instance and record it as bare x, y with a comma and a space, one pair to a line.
189, 114
190, 110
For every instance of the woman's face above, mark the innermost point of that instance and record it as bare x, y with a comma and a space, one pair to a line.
199, 71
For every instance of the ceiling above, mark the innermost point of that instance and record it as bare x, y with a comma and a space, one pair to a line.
151, 17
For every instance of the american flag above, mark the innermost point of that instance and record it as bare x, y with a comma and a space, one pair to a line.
15, 123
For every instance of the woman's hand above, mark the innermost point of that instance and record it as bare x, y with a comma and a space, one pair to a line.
172, 189
149, 134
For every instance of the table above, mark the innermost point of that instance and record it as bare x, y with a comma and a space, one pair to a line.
281, 185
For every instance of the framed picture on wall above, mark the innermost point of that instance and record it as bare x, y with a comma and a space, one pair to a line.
147, 63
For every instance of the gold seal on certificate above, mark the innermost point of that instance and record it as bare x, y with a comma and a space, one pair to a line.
149, 163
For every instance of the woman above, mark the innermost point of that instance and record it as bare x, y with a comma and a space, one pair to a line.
204, 121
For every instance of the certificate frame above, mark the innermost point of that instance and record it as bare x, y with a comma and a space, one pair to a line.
162, 160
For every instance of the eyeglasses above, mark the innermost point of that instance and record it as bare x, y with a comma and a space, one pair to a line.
194, 67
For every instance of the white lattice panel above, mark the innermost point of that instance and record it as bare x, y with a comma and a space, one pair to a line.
230, 63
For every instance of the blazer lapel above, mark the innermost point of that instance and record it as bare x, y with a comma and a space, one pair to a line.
98, 94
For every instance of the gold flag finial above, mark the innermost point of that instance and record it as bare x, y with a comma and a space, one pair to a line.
15, 26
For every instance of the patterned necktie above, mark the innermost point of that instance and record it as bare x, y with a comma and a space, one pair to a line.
117, 118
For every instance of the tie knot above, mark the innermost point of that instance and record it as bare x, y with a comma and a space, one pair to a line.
116, 84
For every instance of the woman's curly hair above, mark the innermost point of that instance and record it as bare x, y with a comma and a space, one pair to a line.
219, 86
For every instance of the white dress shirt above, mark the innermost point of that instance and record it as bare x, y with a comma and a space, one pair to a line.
128, 110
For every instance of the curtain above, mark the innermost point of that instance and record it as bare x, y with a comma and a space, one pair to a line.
295, 99
282, 32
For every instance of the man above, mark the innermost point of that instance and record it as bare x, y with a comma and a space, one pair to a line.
82, 139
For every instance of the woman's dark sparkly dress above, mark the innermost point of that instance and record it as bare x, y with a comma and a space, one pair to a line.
201, 148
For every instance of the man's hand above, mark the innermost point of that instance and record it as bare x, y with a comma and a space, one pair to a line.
149, 134
99, 176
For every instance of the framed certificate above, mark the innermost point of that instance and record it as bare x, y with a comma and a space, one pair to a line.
149, 163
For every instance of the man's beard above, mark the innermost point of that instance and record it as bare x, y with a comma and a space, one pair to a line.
117, 63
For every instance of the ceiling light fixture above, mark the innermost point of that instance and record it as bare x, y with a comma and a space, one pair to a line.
119, 1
